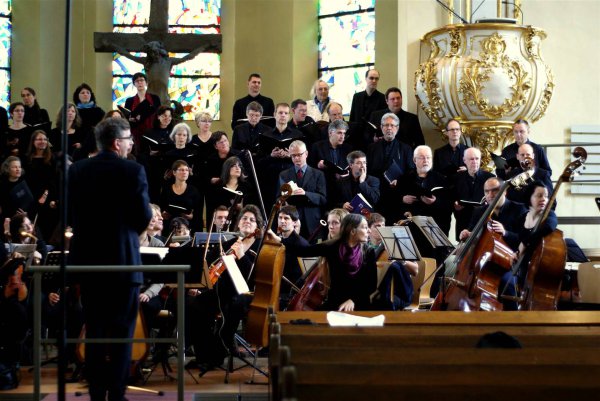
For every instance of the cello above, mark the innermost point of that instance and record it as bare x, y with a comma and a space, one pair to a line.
269, 270
541, 288
481, 262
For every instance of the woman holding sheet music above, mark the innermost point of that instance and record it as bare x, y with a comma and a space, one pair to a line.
181, 199
351, 271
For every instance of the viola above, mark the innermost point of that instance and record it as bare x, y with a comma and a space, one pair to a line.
218, 267
313, 291
545, 270
14, 285
480, 264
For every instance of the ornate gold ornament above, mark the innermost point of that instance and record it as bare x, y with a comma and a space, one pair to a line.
486, 75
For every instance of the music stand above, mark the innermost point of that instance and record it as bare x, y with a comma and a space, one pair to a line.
399, 243
200, 238
432, 231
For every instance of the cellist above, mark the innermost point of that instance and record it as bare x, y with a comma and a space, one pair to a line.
211, 344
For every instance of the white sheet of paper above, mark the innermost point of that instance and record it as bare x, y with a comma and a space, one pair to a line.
340, 319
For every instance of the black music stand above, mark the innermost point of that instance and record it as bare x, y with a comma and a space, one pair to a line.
399, 243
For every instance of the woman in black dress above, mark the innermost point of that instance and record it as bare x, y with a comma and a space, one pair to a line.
34, 115
88, 110
15, 195
79, 142
16, 139
180, 199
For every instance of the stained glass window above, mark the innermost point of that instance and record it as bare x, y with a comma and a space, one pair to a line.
196, 83
5, 51
346, 46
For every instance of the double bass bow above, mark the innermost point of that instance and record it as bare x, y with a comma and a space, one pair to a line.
481, 262
545, 270
269, 270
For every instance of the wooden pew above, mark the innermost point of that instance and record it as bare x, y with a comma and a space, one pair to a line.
433, 355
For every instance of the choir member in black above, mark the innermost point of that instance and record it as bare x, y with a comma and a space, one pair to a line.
233, 179
410, 129
351, 269
354, 136
302, 122
240, 105
423, 177
13, 319
181, 199
41, 178
204, 148
273, 159
151, 155
333, 150
468, 186
80, 143
34, 115
521, 133
142, 107
212, 344
389, 159
216, 160
245, 136
312, 188
357, 182
113, 114
448, 160
181, 136
286, 218
539, 174
16, 138
366, 102
155, 230
89, 112
15, 195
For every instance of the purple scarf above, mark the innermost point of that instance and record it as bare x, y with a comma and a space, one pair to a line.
351, 258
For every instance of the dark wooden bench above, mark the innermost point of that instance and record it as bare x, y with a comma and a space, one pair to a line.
433, 354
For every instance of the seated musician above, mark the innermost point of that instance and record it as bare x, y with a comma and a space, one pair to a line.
212, 344
351, 272
286, 219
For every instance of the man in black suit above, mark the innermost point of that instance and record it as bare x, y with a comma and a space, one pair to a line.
112, 190
357, 182
468, 186
412, 184
366, 102
245, 136
303, 123
521, 133
448, 160
409, 131
311, 183
539, 174
389, 159
239, 107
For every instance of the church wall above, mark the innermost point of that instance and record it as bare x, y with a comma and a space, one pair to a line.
278, 38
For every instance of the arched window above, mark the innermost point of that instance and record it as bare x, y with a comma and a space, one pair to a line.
346, 46
5, 51
196, 84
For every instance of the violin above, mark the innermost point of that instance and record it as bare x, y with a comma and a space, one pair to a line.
545, 270
218, 267
480, 264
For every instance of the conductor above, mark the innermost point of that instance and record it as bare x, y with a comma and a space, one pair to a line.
112, 190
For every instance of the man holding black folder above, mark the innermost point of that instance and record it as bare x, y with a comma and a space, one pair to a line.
357, 182
389, 159
311, 195
245, 135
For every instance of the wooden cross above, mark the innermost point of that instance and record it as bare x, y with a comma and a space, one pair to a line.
157, 42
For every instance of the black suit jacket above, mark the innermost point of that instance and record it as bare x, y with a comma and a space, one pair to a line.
314, 185
400, 152
446, 159
470, 189
246, 138
239, 109
369, 188
109, 209
321, 151
510, 152
409, 131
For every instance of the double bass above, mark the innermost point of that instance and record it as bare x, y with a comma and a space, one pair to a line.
269, 270
481, 262
541, 288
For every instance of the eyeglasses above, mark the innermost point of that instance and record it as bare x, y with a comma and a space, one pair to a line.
453, 130
183, 170
297, 154
374, 78
423, 157
126, 138
389, 125
206, 121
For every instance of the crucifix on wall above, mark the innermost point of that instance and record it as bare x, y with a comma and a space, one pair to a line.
157, 42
